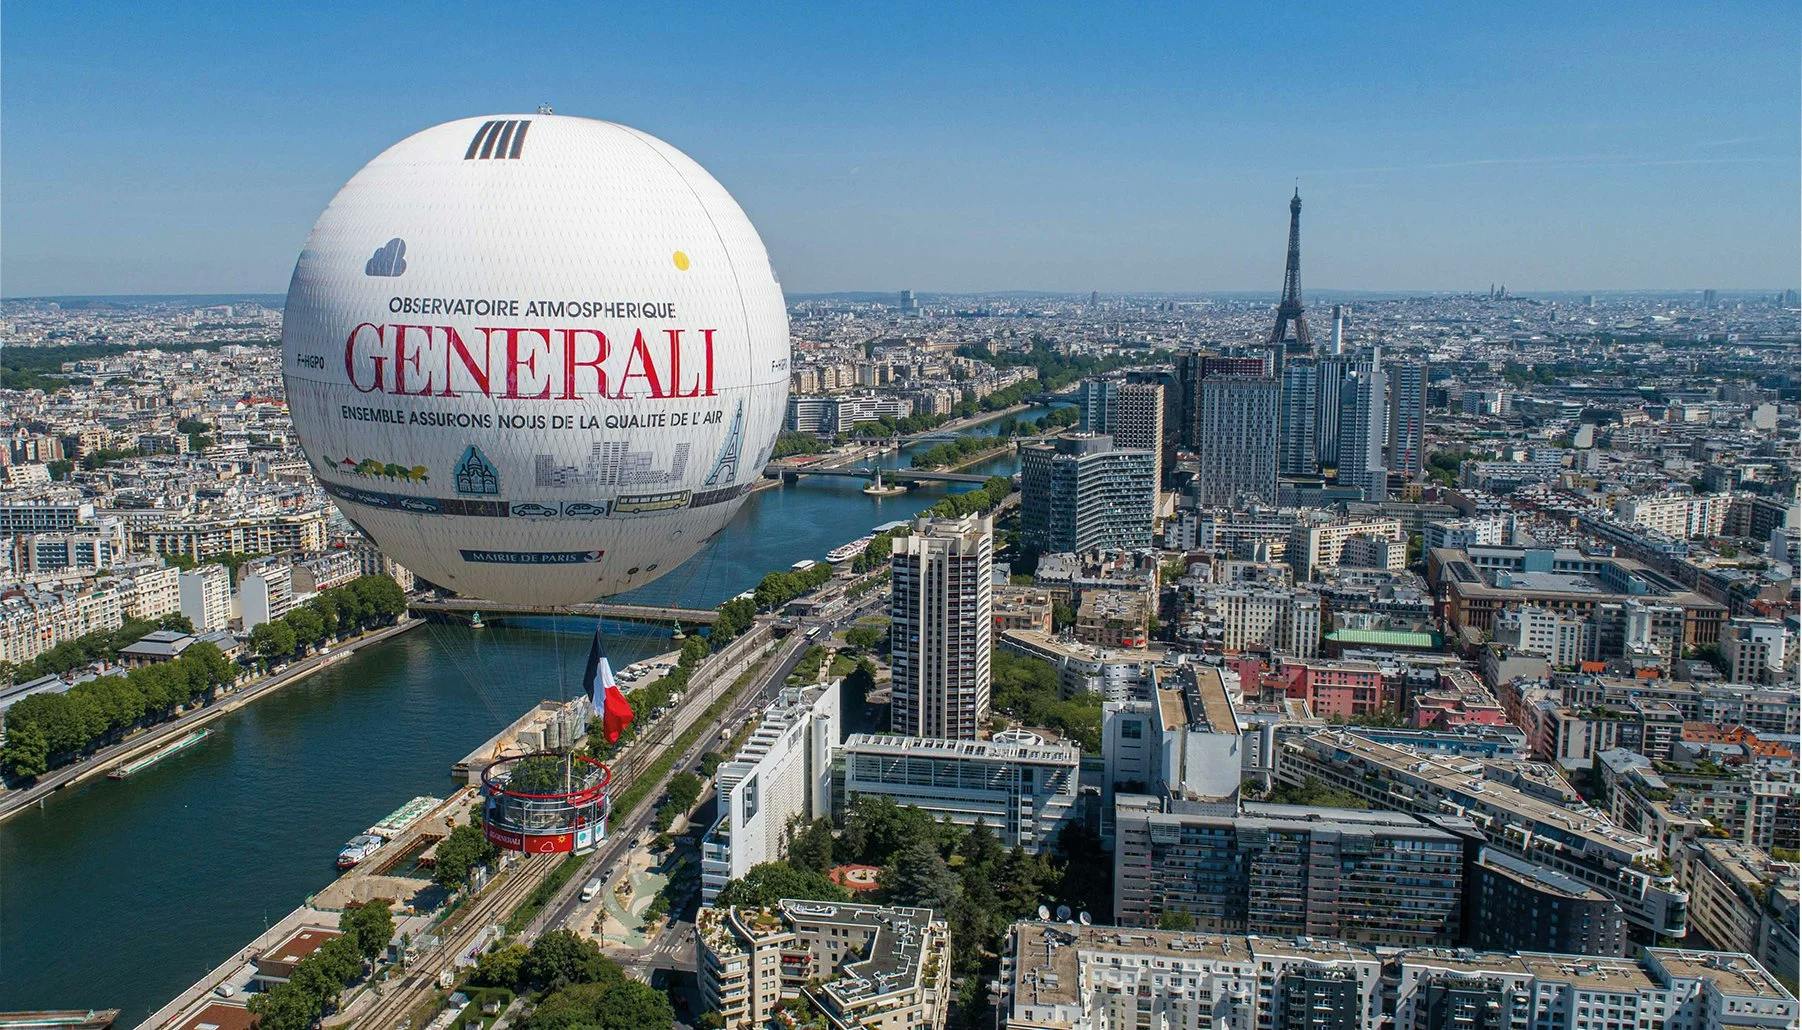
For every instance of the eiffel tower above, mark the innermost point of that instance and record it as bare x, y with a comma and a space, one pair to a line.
727, 463
1289, 315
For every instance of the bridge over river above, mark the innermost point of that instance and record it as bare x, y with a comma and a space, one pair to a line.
658, 614
900, 475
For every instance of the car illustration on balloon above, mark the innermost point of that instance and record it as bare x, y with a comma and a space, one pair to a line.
585, 510
533, 510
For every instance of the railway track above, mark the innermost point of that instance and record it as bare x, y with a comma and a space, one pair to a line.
495, 903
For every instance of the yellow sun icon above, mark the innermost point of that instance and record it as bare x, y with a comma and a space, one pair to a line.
680, 257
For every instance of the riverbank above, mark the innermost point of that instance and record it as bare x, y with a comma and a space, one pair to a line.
13, 802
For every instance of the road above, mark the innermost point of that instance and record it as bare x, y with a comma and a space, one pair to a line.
564, 907
14, 801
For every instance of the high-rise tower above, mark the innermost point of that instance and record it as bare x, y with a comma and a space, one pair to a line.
1291, 322
939, 628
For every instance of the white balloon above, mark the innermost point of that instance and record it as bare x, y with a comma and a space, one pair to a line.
536, 357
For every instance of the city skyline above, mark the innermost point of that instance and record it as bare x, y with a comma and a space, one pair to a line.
1155, 154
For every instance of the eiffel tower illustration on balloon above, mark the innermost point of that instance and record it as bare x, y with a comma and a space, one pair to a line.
727, 463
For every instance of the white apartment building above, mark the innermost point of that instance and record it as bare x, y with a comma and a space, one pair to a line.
1678, 515
265, 592
1755, 651
1315, 548
1108, 977
54, 511
783, 772
1020, 786
34, 621
1561, 638
1375, 551
1285, 621
206, 597
95, 545
1112, 673
832, 415
1060, 977
150, 591
1462, 534
862, 966
940, 628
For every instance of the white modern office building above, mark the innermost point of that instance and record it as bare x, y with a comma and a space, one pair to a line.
783, 772
1021, 787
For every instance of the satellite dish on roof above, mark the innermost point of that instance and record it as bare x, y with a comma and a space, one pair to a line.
1063, 913
1044, 913
1083, 918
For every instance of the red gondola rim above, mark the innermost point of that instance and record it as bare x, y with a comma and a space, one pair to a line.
588, 793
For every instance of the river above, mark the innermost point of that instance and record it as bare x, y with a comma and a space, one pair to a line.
122, 893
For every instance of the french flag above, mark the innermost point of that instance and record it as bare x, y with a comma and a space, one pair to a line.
609, 701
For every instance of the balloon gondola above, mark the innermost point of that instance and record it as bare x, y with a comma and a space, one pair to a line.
564, 809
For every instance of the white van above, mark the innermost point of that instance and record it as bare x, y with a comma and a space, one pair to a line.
591, 888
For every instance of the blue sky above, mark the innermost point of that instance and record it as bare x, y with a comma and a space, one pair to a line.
188, 147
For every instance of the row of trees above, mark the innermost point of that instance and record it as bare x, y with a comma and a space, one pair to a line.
965, 875
779, 588
974, 502
360, 604
1028, 689
48, 730
311, 993
102, 645
790, 443
956, 451
572, 986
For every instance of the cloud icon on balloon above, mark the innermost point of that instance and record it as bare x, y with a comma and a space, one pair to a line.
389, 259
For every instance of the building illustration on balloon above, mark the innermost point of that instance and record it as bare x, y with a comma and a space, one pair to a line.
557, 324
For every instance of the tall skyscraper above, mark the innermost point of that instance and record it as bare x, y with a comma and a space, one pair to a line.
1407, 417
940, 626
1338, 342
1240, 419
1130, 411
1364, 427
1192, 367
1329, 382
1301, 415
1081, 492
1291, 321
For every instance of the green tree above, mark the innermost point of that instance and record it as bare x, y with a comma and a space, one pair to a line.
1176, 919
372, 926
918, 875
810, 845
272, 640
500, 967
537, 774
770, 882
307, 626
560, 958
684, 789
635, 1006
694, 650
865, 638
27, 753
460, 853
